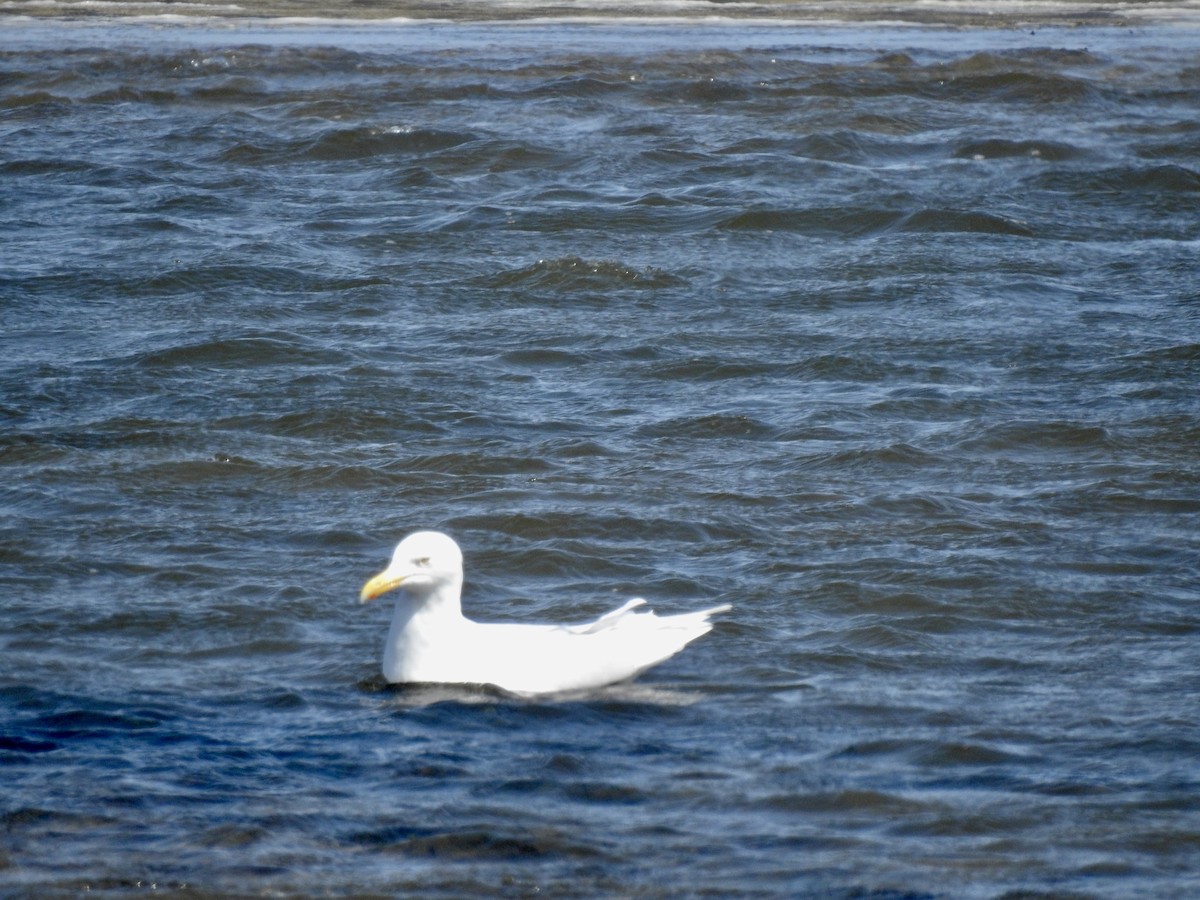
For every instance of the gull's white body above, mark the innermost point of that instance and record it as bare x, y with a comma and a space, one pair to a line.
431, 641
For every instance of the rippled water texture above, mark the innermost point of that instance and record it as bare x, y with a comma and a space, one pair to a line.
888, 337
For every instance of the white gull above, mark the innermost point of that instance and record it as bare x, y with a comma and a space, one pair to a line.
430, 640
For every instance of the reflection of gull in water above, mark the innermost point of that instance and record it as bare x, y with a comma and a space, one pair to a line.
430, 641
626, 695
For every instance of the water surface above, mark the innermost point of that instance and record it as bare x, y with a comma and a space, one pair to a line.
888, 336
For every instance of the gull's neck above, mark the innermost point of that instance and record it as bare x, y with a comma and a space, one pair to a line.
422, 626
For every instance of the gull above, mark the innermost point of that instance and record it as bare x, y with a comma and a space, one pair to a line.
430, 641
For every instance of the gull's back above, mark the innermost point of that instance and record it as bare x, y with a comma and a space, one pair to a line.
540, 659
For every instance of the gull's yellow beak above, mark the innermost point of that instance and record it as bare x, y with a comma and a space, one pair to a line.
380, 584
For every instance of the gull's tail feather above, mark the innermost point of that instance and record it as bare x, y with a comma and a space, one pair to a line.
620, 645
699, 616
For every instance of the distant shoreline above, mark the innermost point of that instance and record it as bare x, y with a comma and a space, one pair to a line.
952, 13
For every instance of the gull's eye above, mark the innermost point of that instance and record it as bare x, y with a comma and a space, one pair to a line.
423, 562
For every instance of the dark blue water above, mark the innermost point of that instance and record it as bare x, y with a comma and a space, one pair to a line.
889, 337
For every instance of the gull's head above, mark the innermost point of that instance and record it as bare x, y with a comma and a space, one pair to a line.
423, 562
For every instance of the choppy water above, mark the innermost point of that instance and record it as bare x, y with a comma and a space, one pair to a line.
887, 336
